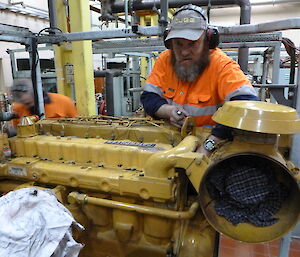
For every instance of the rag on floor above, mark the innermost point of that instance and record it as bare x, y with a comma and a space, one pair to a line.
34, 224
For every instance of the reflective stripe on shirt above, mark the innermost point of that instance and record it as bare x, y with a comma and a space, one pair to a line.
243, 90
197, 111
201, 111
154, 89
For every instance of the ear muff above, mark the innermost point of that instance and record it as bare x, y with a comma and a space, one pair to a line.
212, 33
213, 37
167, 43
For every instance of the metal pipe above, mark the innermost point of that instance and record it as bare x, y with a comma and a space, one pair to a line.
126, 13
274, 86
285, 243
75, 197
272, 2
26, 5
245, 6
102, 34
265, 70
245, 18
279, 25
160, 163
109, 93
295, 149
164, 6
52, 13
109, 88
245, 15
118, 6
9, 185
40, 14
36, 79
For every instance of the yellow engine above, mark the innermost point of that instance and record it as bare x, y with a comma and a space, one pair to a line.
137, 185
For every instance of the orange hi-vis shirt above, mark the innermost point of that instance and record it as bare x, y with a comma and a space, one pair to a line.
59, 107
220, 81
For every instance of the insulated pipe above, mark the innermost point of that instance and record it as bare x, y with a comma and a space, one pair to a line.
75, 197
245, 14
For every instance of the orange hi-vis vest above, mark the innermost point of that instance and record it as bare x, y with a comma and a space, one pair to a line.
60, 106
220, 81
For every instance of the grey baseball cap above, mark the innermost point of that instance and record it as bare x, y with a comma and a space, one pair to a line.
187, 24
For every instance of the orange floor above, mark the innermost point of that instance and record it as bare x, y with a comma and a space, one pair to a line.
231, 248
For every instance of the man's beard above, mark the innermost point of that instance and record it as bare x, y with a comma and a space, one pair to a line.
192, 72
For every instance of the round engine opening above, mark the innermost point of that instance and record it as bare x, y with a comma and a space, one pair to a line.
250, 198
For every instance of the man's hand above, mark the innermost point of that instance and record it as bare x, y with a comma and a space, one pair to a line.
175, 114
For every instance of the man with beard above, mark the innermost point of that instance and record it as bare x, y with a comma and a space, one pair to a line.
56, 105
192, 78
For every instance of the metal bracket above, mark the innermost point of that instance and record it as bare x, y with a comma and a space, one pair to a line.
278, 94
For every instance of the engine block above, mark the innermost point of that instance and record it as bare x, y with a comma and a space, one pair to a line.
137, 185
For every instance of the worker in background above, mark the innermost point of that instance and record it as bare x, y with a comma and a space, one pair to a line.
56, 105
193, 77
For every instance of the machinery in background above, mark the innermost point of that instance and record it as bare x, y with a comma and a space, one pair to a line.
137, 184
120, 91
21, 68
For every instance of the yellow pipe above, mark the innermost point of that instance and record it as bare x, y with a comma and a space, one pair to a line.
160, 163
63, 55
75, 197
82, 58
143, 59
9, 185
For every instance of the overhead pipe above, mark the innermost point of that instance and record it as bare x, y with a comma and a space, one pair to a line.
272, 2
136, 5
42, 14
279, 25
271, 26
164, 9
52, 14
245, 18
245, 14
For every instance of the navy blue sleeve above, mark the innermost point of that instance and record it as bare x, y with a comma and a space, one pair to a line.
151, 102
244, 97
224, 132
